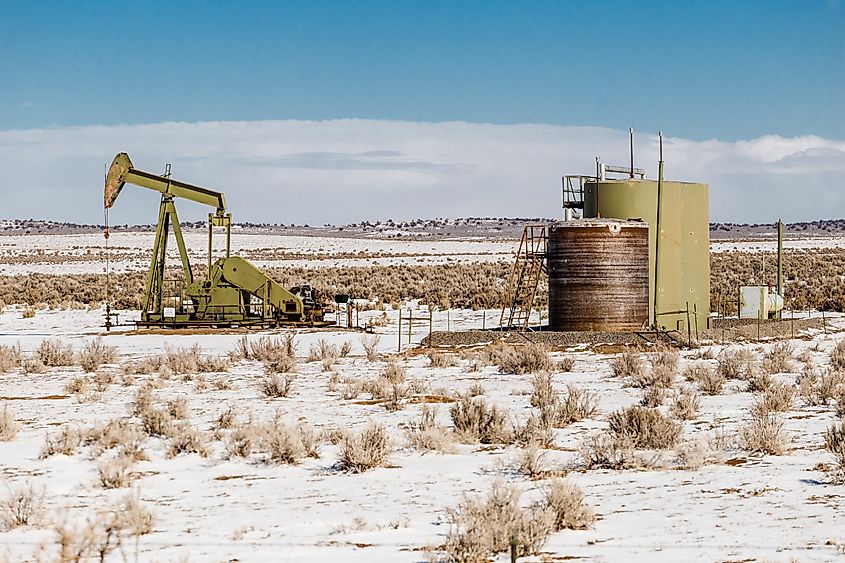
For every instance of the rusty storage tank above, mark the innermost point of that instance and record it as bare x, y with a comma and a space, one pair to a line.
598, 275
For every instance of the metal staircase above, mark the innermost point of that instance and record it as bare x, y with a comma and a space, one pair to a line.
529, 267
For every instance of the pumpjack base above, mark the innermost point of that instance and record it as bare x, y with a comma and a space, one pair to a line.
256, 324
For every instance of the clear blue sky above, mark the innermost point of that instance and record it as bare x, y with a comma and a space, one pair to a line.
706, 69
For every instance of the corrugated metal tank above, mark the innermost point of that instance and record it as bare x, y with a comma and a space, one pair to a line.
598, 275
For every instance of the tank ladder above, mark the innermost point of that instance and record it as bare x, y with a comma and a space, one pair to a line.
528, 268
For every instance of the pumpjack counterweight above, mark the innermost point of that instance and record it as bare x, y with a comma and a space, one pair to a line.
233, 292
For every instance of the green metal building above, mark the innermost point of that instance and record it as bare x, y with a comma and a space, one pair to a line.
680, 256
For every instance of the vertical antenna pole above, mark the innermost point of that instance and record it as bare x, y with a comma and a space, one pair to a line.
631, 141
780, 264
598, 179
656, 289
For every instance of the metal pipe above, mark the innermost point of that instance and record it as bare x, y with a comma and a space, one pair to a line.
631, 141
657, 231
780, 262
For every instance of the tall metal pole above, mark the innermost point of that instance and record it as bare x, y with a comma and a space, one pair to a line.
780, 264
631, 140
657, 234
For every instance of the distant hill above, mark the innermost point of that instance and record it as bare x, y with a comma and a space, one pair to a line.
487, 227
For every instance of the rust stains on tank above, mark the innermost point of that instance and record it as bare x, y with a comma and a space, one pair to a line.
598, 275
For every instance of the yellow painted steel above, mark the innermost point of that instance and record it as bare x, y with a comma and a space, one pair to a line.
684, 270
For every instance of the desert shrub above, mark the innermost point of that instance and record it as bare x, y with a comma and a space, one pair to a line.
28, 312
576, 404
112, 434
226, 419
274, 386
566, 502
156, 421
182, 360
78, 385
837, 356
393, 373
543, 395
280, 363
427, 434
145, 366
535, 432
763, 434
653, 396
532, 462
10, 357
115, 473
8, 426
241, 441
178, 408
660, 375
33, 365
367, 450
777, 397
266, 348
52, 353
23, 506
283, 443
96, 353
709, 380
834, 442
481, 528
566, 363
322, 350
645, 428
778, 359
476, 389
530, 358
440, 360
64, 442
685, 404
134, 517
667, 359
370, 345
185, 439
345, 349
475, 421
213, 364
627, 364
818, 389
759, 382
606, 450
735, 364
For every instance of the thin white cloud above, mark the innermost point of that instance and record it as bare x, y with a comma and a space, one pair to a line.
347, 170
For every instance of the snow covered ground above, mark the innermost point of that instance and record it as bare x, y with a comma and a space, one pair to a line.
130, 251
745, 507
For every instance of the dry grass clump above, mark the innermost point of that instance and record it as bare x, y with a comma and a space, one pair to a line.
819, 389
323, 351
282, 443
565, 364
778, 397
64, 442
763, 434
559, 411
370, 344
837, 356
834, 442
628, 364
97, 537
481, 528
8, 426
154, 420
52, 353
427, 434
33, 365
24, 506
735, 364
393, 373
605, 450
440, 360
709, 380
145, 366
529, 358
685, 404
213, 364
178, 408
645, 428
185, 439
77, 386
778, 359
182, 360
265, 348
116, 473
96, 353
11, 357
112, 434
367, 450
274, 386
476, 422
